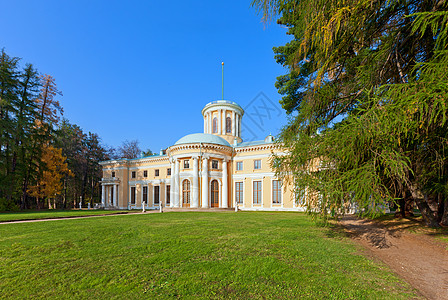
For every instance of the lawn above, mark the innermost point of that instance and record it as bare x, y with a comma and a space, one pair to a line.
51, 214
189, 255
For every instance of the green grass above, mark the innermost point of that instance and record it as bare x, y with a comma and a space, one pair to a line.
189, 255
51, 214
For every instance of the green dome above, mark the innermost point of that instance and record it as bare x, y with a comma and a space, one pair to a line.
202, 138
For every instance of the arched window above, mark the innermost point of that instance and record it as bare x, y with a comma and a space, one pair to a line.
215, 194
215, 125
186, 193
228, 125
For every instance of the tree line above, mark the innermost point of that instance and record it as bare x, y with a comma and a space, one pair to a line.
366, 91
45, 161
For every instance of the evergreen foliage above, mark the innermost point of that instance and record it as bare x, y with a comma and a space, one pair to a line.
367, 97
39, 154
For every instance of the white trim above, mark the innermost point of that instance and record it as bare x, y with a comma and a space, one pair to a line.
298, 209
258, 156
252, 175
148, 167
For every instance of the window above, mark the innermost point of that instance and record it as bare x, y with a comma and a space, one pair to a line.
215, 194
132, 194
214, 164
133, 174
113, 174
145, 173
239, 165
215, 125
186, 193
276, 192
156, 172
145, 195
186, 164
168, 171
168, 195
239, 192
257, 192
156, 195
257, 164
228, 125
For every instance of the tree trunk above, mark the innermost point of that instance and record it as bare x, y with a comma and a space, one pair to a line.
444, 221
429, 216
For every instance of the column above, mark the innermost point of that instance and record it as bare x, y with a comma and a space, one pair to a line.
233, 123
237, 122
176, 184
115, 195
103, 195
205, 182
195, 199
173, 184
109, 195
224, 184
209, 122
223, 128
219, 121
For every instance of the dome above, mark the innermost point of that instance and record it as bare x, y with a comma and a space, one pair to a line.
202, 138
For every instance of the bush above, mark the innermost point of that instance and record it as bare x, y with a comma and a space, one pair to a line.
8, 205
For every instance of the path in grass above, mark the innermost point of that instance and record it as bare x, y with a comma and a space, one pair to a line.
54, 214
189, 255
419, 259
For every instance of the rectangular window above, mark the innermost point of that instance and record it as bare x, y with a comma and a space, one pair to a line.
156, 172
132, 194
257, 164
168, 190
257, 192
113, 174
276, 192
133, 174
145, 194
214, 164
145, 173
156, 194
186, 164
168, 171
239, 165
239, 192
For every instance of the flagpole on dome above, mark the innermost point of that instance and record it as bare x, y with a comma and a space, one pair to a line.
222, 80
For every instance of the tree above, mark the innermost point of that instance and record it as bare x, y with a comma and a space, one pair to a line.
366, 91
129, 149
148, 152
53, 170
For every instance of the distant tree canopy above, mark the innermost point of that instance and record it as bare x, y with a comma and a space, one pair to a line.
129, 149
43, 161
367, 95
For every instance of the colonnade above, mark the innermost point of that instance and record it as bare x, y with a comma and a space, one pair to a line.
222, 114
109, 194
176, 184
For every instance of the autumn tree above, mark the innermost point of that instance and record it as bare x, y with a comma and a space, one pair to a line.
53, 169
366, 91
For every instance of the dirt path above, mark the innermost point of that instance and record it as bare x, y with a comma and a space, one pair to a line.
419, 259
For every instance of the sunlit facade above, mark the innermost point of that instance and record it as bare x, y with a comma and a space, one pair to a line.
213, 169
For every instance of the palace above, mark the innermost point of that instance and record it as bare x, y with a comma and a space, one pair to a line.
214, 169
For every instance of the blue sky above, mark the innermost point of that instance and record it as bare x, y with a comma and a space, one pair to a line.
145, 69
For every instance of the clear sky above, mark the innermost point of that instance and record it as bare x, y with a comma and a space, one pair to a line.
145, 69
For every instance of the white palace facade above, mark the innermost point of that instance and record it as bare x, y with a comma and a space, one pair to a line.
214, 169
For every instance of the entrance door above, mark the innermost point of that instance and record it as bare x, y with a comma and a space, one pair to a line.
186, 193
215, 194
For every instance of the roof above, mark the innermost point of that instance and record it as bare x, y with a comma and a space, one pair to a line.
202, 138
253, 143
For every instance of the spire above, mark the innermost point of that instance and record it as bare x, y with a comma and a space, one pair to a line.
222, 80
